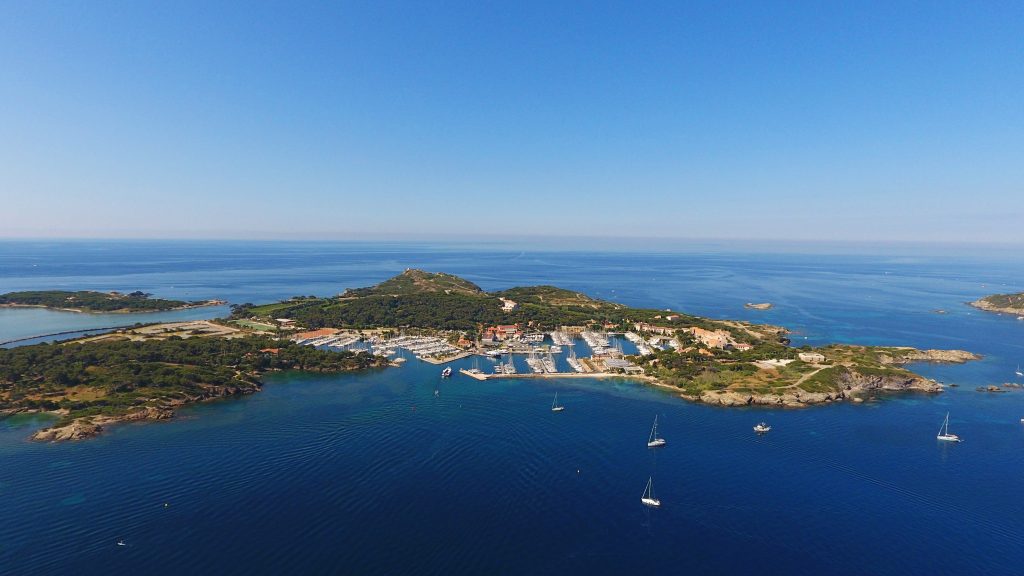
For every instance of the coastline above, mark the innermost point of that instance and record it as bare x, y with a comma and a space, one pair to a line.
854, 386
86, 427
204, 304
982, 304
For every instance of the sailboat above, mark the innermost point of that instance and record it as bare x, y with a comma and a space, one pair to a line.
1019, 373
653, 441
944, 432
648, 498
554, 405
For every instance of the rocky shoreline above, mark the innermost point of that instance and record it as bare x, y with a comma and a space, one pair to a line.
854, 386
984, 304
91, 426
906, 355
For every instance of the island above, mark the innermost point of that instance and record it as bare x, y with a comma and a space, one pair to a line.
146, 372
94, 302
1005, 303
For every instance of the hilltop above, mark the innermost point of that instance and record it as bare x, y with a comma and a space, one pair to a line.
1008, 303
420, 299
414, 281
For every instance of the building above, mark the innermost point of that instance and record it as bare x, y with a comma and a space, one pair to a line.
711, 338
652, 329
619, 364
508, 305
500, 333
811, 357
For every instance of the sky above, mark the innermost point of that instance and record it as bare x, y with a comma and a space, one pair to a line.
806, 121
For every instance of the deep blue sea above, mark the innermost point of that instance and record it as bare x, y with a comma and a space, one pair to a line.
374, 474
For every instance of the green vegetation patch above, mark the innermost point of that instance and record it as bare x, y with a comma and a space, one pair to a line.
115, 377
1005, 300
418, 281
89, 301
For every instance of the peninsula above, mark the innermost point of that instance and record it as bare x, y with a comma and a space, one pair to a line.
146, 372
1006, 303
91, 301
715, 361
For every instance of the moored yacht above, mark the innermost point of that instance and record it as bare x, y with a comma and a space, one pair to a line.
944, 434
555, 407
762, 428
648, 497
653, 441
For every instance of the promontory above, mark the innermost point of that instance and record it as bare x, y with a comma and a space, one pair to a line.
1006, 303
91, 301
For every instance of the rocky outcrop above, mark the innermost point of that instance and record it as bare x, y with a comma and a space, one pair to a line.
853, 381
910, 355
849, 384
1005, 303
758, 306
147, 413
4, 413
794, 398
88, 427
77, 430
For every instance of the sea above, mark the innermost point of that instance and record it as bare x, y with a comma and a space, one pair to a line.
398, 471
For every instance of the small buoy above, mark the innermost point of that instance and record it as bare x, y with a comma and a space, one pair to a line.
577, 470
166, 505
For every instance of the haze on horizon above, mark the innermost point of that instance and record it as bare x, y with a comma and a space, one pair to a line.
860, 122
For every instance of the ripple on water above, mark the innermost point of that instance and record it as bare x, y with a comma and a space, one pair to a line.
73, 500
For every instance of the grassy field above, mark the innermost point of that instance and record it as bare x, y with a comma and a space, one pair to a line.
252, 325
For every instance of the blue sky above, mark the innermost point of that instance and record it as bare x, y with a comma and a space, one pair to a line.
800, 120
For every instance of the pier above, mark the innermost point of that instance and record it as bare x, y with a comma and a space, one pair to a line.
482, 376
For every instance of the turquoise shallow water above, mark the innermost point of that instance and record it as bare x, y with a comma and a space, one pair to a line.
373, 474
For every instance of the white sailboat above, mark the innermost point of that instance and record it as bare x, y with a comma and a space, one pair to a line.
1019, 373
653, 441
944, 432
648, 498
762, 428
554, 405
